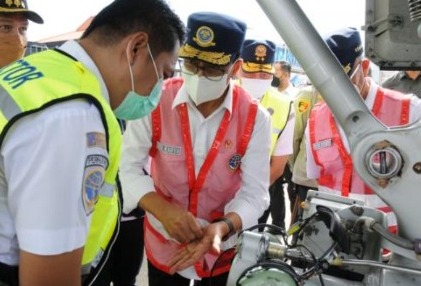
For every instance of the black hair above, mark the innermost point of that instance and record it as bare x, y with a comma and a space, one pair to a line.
124, 17
285, 66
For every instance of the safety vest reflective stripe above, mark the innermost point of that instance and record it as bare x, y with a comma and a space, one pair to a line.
9, 106
107, 190
276, 130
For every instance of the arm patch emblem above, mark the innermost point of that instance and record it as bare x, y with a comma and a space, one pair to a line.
93, 179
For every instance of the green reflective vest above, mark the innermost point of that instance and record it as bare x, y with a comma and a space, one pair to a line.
50, 77
279, 108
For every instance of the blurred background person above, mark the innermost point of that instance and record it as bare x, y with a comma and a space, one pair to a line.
282, 79
14, 16
303, 104
328, 154
408, 81
255, 76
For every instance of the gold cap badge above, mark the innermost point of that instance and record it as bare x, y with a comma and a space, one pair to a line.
260, 53
204, 37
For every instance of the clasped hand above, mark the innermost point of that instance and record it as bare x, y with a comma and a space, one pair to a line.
190, 253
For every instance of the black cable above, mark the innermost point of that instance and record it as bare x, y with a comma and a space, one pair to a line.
322, 282
316, 267
263, 225
308, 250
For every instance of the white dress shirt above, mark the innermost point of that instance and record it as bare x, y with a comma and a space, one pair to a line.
290, 92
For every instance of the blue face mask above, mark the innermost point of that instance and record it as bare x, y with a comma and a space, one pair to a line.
135, 105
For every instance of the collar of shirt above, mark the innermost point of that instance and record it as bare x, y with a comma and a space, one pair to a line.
183, 97
74, 49
290, 91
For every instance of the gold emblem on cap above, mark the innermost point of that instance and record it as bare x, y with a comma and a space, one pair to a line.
18, 3
260, 53
347, 68
204, 37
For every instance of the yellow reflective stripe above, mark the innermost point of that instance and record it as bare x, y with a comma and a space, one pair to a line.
8, 105
103, 223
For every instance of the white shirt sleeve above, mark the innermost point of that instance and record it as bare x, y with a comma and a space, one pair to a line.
313, 170
45, 158
253, 197
284, 144
134, 158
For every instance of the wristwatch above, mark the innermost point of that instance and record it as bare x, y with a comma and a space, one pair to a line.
231, 230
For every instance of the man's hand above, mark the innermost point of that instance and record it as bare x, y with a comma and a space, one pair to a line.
179, 223
187, 255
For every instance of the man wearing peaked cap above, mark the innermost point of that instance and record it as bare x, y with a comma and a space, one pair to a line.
255, 76
258, 56
15, 14
213, 38
209, 145
256, 72
334, 169
347, 47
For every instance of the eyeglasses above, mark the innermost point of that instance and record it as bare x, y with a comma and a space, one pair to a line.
213, 74
354, 72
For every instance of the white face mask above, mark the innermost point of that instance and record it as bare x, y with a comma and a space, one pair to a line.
256, 87
356, 81
201, 89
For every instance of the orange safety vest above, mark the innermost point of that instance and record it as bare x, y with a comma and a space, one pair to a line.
173, 171
336, 167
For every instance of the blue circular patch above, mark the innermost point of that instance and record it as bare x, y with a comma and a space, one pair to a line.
205, 36
92, 184
234, 162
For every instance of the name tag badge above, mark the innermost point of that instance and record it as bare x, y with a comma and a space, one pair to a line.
322, 144
172, 150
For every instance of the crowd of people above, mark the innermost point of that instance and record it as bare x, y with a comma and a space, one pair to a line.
106, 154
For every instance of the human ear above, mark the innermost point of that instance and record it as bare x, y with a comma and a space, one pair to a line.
135, 44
